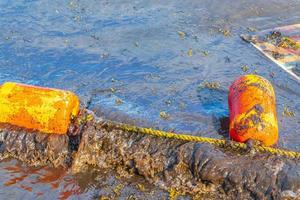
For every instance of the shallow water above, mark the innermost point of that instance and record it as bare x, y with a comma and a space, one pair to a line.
127, 61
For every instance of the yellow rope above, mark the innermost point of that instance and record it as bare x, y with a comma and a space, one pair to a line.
213, 141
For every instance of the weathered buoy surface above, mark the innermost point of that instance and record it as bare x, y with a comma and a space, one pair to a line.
252, 107
44, 109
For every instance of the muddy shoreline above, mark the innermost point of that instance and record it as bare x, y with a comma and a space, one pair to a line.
189, 168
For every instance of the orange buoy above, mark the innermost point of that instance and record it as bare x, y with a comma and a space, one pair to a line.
44, 109
252, 108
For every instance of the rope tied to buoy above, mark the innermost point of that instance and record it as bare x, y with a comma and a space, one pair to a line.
50, 110
213, 141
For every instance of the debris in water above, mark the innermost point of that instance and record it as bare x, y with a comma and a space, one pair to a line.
205, 53
181, 34
280, 44
245, 68
113, 90
118, 101
287, 112
225, 32
190, 52
72, 4
136, 44
168, 102
214, 85
164, 115
77, 18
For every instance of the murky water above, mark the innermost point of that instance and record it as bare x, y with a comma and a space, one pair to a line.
129, 61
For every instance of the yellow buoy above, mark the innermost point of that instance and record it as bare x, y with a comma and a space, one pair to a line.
44, 109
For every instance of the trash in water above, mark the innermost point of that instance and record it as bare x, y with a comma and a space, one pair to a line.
281, 45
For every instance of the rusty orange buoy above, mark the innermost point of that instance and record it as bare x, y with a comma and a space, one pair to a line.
44, 109
252, 108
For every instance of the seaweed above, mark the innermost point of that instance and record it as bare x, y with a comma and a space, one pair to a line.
190, 52
164, 115
213, 85
181, 34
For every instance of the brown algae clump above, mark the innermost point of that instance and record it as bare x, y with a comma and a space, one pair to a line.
181, 34
164, 115
190, 52
119, 101
287, 112
225, 32
213, 85
205, 53
245, 68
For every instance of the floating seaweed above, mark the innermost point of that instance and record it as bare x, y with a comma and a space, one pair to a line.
119, 101
181, 34
164, 115
245, 68
213, 85
225, 32
190, 52
287, 112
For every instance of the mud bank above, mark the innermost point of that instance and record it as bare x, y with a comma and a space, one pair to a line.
200, 170
188, 167
35, 149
